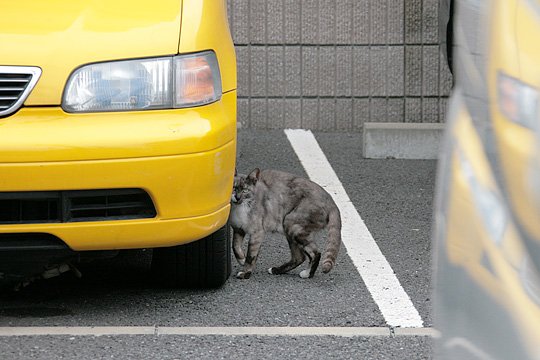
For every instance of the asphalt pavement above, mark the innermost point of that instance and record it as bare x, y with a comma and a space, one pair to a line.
393, 197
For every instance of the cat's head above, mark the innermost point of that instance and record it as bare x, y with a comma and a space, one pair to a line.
244, 186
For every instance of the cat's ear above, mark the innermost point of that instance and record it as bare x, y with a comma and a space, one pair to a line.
253, 176
235, 171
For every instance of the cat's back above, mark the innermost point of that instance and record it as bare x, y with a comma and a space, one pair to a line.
279, 182
292, 186
273, 177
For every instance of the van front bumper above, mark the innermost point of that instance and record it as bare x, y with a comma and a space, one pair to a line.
183, 158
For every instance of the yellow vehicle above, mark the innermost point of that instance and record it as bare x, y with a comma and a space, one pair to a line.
487, 217
117, 131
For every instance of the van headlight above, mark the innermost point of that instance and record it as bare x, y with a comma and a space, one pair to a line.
518, 101
141, 84
488, 203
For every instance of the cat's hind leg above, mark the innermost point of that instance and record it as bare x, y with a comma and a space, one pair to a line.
314, 257
300, 225
297, 258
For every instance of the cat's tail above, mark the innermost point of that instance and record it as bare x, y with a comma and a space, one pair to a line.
334, 240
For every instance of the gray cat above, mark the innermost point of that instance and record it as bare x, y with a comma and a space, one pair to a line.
275, 201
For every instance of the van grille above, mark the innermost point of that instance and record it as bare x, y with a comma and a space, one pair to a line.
73, 206
16, 82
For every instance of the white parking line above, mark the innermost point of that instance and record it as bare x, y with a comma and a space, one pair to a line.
211, 331
392, 300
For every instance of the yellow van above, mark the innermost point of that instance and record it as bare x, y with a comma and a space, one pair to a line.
487, 216
117, 131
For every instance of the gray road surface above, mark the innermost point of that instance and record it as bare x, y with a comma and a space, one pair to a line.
394, 198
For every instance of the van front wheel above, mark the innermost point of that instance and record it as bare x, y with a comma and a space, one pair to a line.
204, 263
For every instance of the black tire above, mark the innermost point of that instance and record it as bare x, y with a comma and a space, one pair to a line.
450, 45
450, 39
205, 263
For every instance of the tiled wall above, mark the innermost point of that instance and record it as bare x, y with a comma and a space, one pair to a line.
334, 64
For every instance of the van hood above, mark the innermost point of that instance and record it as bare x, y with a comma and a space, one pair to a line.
60, 35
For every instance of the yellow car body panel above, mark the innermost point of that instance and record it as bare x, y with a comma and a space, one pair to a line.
204, 20
487, 228
61, 35
183, 158
180, 185
65, 34
518, 56
116, 135
470, 246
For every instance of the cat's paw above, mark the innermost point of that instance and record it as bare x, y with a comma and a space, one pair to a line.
304, 274
271, 271
243, 275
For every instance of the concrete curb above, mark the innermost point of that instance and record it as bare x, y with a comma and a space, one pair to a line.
402, 140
